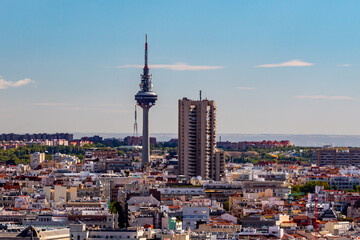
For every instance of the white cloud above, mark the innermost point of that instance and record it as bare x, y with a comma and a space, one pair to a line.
107, 105
106, 108
62, 104
79, 108
176, 67
97, 109
326, 97
292, 63
6, 84
245, 88
53, 104
344, 65
118, 110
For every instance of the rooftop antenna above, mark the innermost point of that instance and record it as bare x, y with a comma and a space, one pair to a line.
200, 95
146, 52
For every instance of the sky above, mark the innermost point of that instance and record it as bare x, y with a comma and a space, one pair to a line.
273, 67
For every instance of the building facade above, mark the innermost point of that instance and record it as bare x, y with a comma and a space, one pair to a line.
198, 155
195, 215
337, 156
36, 159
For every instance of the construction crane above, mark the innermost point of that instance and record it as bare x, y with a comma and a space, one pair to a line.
290, 195
135, 124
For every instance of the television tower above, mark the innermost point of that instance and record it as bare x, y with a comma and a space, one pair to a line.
146, 98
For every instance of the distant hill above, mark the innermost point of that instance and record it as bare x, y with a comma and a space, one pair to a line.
310, 140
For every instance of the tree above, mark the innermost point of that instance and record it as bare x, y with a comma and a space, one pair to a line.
112, 206
226, 206
309, 187
116, 208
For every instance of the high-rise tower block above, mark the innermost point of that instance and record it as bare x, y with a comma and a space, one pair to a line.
198, 155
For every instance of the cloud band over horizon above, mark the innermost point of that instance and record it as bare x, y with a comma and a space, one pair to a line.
245, 88
291, 63
317, 97
344, 65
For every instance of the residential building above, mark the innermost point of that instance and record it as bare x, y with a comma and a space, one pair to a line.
337, 156
337, 228
197, 140
79, 231
32, 233
193, 216
36, 159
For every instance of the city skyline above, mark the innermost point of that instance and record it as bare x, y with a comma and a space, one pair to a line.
272, 67
254, 133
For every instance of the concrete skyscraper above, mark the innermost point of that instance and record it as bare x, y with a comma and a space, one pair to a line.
198, 155
146, 98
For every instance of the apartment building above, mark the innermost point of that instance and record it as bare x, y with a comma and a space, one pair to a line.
337, 156
198, 155
36, 159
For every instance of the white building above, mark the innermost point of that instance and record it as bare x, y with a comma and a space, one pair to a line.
79, 231
36, 159
192, 215
337, 228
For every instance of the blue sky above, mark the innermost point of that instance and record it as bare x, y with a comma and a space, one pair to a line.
271, 66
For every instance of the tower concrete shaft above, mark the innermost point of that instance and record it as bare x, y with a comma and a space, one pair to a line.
146, 98
145, 137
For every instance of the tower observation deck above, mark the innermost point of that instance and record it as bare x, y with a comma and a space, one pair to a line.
146, 98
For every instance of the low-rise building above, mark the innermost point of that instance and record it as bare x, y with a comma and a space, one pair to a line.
194, 216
